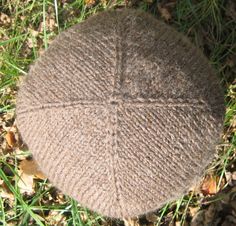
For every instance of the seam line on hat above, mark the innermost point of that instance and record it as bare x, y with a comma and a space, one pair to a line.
113, 155
115, 96
125, 103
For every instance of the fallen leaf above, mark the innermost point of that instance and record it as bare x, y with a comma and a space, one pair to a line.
233, 122
22, 18
228, 176
209, 185
4, 18
10, 138
30, 167
164, 12
11, 223
89, 2
31, 43
55, 218
33, 32
177, 223
5, 192
40, 175
193, 210
131, 222
26, 183
84, 216
49, 24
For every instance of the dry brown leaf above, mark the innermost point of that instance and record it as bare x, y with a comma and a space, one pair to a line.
164, 12
131, 221
177, 223
55, 218
4, 18
50, 25
10, 138
5, 192
30, 167
84, 216
193, 210
28, 170
90, 2
31, 43
209, 185
40, 175
11, 224
33, 32
233, 122
26, 183
22, 18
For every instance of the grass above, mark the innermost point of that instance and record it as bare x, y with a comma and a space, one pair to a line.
30, 28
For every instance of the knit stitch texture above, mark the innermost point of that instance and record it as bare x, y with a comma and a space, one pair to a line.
121, 112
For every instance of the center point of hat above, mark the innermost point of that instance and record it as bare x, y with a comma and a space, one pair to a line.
114, 100
114, 103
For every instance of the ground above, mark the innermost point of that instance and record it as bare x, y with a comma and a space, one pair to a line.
26, 29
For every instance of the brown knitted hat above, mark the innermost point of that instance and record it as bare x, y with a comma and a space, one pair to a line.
121, 112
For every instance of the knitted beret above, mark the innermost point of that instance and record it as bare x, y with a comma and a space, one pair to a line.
121, 112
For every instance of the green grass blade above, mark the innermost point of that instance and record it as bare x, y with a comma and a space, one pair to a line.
19, 198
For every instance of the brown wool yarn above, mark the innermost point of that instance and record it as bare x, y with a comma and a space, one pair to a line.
122, 113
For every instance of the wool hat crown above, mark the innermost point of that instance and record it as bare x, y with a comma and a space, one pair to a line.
121, 112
